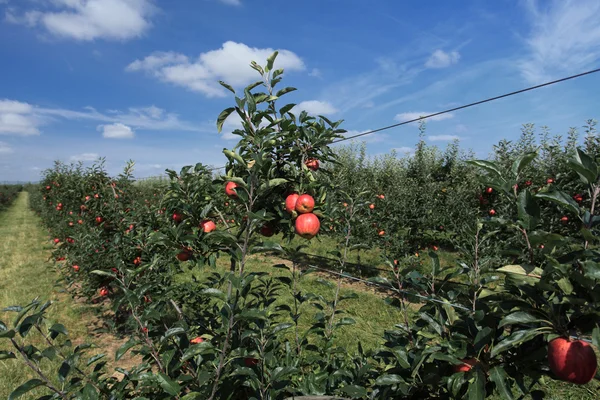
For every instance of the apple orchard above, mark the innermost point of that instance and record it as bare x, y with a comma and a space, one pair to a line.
514, 312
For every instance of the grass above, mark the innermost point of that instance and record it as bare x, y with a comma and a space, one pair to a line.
26, 273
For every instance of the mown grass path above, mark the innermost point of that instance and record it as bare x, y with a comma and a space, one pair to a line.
26, 273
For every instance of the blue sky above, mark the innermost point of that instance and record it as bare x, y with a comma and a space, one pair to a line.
137, 79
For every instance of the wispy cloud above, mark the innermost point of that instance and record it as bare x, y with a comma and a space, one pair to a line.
231, 2
564, 38
87, 20
85, 157
5, 148
443, 138
315, 107
229, 63
442, 59
23, 119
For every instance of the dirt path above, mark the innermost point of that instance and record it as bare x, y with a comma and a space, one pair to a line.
26, 272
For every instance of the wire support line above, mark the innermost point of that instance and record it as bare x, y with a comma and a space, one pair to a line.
502, 96
425, 298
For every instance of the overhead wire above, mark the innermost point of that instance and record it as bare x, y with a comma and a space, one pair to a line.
489, 99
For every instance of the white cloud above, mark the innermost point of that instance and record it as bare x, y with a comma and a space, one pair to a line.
87, 20
564, 38
116, 131
441, 59
85, 157
16, 118
231, 2
443, 138
314, 107
230, 63
5, 148
408, 116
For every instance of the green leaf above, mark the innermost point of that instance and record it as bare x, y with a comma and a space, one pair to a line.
585, 166
560, 198
489, 166
529, 211
95, 358
273, 183
388, 379
7, 334
252, 313
519, 317
271, 61
226, 86
24, 388
476, 389
174, 331
596, 337
522, 162
284, 91
103, 273
57, 329
565, 285
517, 338
250, 101
5, 355
483, 337
280, 327
125, 348
499, 377
212, 292
223, 116
200, 348
354, 391
193, 396
169, 385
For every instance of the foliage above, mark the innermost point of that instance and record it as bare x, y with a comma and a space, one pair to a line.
483, 329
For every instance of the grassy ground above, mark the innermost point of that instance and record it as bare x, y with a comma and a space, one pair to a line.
26, 273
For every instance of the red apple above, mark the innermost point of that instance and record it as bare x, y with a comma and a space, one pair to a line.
98, 220
528, 183
267, 230
208, 226
104, 292
250, 362
307, 225
290, 202
56, 240
489, 190
572, 361
197, 340
381, 233
184, 255
468, 363
492, 212
137, 261
230, 189
372, 206
177, 217
549, 181
76, 268
305, 204
312, 164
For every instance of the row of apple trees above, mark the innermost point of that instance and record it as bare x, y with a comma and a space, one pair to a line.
224, 334
8, 193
